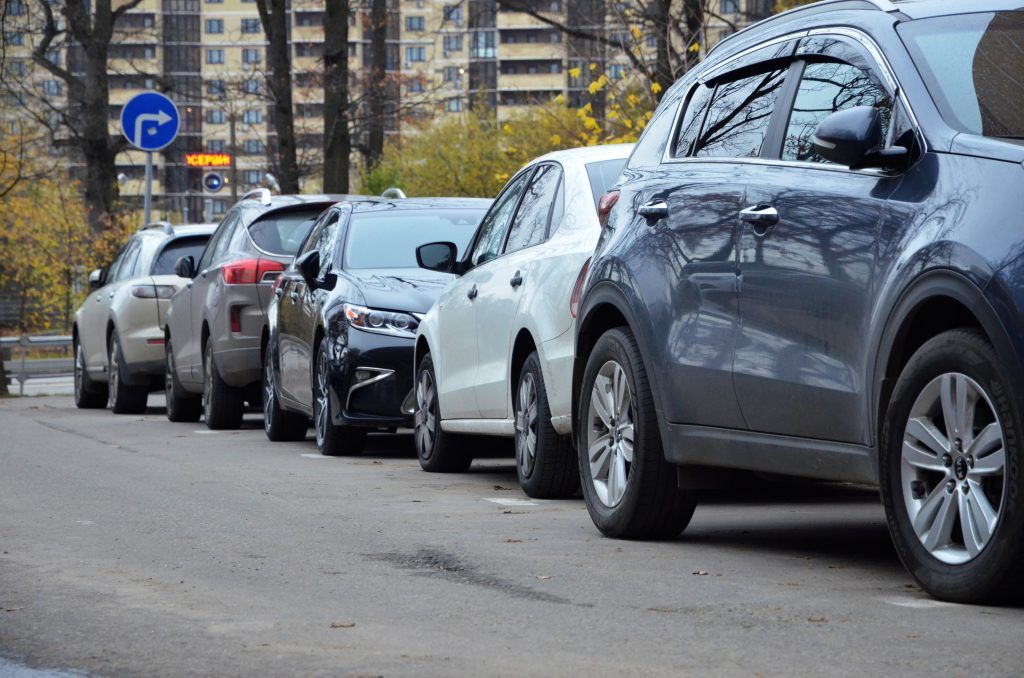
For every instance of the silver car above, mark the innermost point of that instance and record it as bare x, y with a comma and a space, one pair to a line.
216, 321
118, 330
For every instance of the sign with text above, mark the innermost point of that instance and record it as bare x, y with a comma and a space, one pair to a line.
208, 159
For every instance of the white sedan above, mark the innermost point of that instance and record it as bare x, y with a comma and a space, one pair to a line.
494, 355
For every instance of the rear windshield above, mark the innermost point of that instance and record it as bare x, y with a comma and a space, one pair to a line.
176, 249
603, 176
283, 232
973, 66
389, 239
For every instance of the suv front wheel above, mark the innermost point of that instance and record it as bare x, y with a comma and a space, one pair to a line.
631, 491
951, 470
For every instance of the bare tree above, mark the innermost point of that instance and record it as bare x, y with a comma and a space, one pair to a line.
376, 85
274, 18
337, 136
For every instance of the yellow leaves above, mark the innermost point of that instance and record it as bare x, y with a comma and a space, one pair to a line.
655, 87
635, 32
559, 99
633, 99
501, 176
506, 129
573, 73
694, 48
593, 67
556, 140
598, 85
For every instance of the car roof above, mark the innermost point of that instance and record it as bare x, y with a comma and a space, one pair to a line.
588, 154
921, 9
381, 204
165, 231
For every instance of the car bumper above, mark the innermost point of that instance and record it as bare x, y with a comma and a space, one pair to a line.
143, 351
371, 377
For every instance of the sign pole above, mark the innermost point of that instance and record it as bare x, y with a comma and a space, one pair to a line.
147, 205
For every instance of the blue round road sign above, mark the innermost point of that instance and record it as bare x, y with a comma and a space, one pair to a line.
149, 121
213, 182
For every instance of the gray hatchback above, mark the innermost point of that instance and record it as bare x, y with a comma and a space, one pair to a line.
216, 322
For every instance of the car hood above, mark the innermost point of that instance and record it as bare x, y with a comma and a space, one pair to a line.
400, 289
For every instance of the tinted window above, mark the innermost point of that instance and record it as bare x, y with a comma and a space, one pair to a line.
116, 265
219, 240
530, 226
603, 176
325, 240
389, 239
176, 249
126, 269
496, 223
824, 89
651, 145
737, 121
972, 64
692, 119
314, 233
283, 232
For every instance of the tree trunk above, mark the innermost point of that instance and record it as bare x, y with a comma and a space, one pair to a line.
377, 85
337, 139
274, 17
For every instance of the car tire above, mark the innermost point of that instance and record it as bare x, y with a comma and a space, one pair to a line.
546, 462
279, 425
638, 496
181, 405
331, 440
89, 395
222, 405
437, 450
961, 545
123, 398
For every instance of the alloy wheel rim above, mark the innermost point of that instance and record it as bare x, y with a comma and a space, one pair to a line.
953, 468
610, 434
526, 425
114, 372
320, 408
425, 419
268, 392
78, 371
207, 381
169, 378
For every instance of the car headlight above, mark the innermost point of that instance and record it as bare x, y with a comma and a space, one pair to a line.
384, 322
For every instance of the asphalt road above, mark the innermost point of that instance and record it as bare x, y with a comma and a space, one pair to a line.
133, 546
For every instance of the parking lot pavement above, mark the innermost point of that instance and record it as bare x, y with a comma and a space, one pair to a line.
131, 545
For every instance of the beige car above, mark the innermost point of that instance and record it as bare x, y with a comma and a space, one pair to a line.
118, 330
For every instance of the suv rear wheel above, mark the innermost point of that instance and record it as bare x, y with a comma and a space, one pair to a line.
545, 461
951, 470
631, 491
124, 399
222, 405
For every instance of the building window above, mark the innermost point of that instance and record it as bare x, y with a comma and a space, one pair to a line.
617, 71
416, 86
215, 88
352, 49
252, 116
253, 147
251, 86
483, 45
415, 54
251, 176
214, 56
14, 38
216, 145
453, 74
415, 23
453, 43
453, 105
216, 116
250, 25
214, 25
214, 2
252, 56
15, 8
453, 13
51, 88
730, 6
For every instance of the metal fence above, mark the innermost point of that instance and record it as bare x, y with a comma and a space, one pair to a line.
23, 369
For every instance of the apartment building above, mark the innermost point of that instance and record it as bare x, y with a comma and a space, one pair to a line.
444, 56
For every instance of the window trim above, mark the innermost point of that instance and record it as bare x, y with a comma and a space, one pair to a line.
547, 227
476, 236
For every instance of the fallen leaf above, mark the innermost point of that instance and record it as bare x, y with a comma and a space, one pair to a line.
662, 609
543, 576
342, 625
700, 573
817, 620
378, 462
502, 488
513, 541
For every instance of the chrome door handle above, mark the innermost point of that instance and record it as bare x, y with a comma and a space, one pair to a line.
294, 296
653, 210
110, 296
761, 218
472, 293
279, 292
516, 280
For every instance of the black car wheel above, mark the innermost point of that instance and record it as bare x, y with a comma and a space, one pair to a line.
181, 405
438, 451
951, 470
124, 398
279, 425
331, 440
631, 491
545, 461
222, 405
89, 395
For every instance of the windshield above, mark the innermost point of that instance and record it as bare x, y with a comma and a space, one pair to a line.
283, 232
972, 64
176, 249
603, 176
389, 239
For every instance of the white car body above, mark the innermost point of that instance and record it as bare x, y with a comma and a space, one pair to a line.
477, 344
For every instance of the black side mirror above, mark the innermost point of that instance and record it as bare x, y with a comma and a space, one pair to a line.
97, 279
437, 256
853, 137
185, 268
308, 266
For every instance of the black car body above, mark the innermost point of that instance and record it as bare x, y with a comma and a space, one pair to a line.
785, 307
342, 328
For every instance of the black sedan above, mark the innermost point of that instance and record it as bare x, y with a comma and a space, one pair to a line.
342, 325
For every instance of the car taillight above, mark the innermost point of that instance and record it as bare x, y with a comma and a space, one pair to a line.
604, 207
577, 290
251, 271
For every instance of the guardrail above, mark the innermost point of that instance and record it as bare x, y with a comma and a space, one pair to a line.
48, 367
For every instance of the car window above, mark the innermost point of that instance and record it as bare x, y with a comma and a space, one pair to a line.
651, 146
283, 232
325, 240
737, 120
530, 227
116, 265
496, 223
389, 238
175, 250
126, 270
314, 233
603, 175
223, 243
824, 89
696, 109
220, 235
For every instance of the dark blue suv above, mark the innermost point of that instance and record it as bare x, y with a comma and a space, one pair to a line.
814, 268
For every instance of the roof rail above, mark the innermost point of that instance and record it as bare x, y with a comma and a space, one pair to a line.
393, 192
263, 194
165, 226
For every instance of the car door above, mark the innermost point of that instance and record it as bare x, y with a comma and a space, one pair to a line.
288, 317
807, 259
201, 288
457, 339
689, 234
501, 286
93, 329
